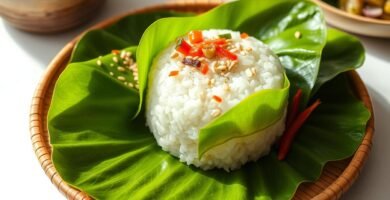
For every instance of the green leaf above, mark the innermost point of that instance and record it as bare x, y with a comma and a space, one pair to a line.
342, 53
127, 32
275, 22
255, 113
98, 149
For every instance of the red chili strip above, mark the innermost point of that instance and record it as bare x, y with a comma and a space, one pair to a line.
244, 35
183, 47
294, 108
115, 52
217, 99
292, 131
195, 37
173, 73
204, 69
221, 52
219, 41
198, 52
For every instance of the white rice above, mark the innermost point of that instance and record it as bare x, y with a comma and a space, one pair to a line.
179, 106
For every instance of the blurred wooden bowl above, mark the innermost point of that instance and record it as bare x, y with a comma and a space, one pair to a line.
48, 16
355, 23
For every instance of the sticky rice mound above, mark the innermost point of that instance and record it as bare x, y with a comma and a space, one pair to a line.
186, 92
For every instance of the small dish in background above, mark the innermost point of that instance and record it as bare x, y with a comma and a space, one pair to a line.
355, 23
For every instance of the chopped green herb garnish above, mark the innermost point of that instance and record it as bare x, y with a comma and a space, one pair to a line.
226, 36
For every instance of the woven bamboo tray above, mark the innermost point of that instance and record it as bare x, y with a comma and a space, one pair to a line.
336, 178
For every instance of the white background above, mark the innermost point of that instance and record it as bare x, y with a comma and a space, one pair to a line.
24, 59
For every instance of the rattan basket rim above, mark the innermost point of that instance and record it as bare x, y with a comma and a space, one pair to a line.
336, 185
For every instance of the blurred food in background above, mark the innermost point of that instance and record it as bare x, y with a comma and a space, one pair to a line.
48, 16
369, 8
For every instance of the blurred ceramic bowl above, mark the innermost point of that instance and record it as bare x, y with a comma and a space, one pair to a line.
355, 23
47, 16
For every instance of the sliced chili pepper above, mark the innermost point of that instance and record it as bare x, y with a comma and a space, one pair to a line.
198, 52
115, 52
217, 99
291, 132
204, 68
183, 47
221, 52
219, 41
244, 35
195, 37
294, 108
174, 73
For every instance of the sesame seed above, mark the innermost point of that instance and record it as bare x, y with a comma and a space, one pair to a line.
99, 62
121, 69
234, 50
180, 64
202, 95
249, 72
233, 65
222, 67
298, 35
115, 59
226, 87
112, 65
130, 85
121, 78
111, 74
137, 86
216, 112
254, 71
174, 55
123, 54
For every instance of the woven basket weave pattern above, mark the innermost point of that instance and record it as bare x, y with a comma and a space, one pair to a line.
336, 178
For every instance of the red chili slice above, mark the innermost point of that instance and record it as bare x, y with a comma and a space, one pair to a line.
183, 47
195, 37
217, 99
244, 35
221, 52
173, 73
198, 52
291, 132
204, 68
115, 52
219, 41
294, 108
